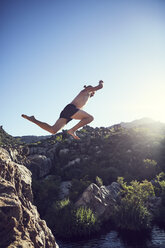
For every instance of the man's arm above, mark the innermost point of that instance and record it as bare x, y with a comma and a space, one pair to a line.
92, 89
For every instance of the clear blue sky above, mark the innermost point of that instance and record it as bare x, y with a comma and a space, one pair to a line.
50, 49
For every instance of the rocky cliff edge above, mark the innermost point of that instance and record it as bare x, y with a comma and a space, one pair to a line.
20, 223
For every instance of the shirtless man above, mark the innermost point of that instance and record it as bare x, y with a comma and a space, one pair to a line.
71, 111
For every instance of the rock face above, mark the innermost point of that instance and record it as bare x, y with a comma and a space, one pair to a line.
101, 200
20, 223
39, 165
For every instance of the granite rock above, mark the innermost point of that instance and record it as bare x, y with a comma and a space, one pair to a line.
39, 165
20, 223
101, 200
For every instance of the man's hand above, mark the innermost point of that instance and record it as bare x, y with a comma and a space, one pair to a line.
101, 82
90, 88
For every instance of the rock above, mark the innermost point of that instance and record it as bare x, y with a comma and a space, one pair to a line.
88, 141
20, 224
101, 200
97, 148
37, 150
39, 165
64, 189
51, 153
13, 154
63, 152
73, 162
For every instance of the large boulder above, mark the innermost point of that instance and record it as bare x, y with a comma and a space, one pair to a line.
20, 223
72, 163
39, 165
101, 200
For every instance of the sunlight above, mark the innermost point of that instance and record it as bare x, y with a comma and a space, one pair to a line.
153, 104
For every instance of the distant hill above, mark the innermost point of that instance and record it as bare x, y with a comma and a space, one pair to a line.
32, 138
142, 122
150, 125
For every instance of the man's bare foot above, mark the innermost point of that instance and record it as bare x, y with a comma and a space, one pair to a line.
73, 134
30, 118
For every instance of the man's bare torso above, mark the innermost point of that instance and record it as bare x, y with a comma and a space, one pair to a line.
81, 99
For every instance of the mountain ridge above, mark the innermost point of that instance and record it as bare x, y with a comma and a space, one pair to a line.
143, 121
132, 124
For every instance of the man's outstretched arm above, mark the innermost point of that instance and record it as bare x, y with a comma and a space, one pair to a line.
98, 87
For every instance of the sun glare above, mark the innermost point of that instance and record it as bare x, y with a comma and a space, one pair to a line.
153, 104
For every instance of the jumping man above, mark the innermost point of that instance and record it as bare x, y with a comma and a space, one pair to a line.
71, 111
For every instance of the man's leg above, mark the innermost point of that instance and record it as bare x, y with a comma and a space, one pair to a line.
84, 118
60, 123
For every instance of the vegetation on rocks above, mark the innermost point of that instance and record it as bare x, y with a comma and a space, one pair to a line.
132, 212
131, 154
69, 221
160, 191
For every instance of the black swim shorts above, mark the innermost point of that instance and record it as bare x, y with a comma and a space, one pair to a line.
68, 111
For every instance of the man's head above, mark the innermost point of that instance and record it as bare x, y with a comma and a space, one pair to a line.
87, 86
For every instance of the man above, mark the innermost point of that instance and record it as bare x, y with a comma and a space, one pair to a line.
71, 111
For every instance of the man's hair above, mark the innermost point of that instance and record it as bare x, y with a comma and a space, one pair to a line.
87, 86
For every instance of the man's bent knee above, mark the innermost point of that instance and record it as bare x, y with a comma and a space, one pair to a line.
90, 118
52, 130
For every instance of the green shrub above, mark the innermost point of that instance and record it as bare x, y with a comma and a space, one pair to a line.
108, 175
150, 168
77, 188
132, 213
99, 181
160, 215
59, 218
162, 184
68, 222
86, 222
45, 192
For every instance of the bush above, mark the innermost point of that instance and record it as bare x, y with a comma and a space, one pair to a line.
150, 168
77, 188
45, 192
160, 216
99, 181
86, 222
132, 213
108, 175
68, 222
